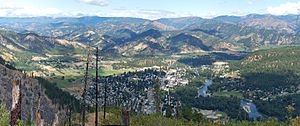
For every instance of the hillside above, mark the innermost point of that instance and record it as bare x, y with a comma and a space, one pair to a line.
274, 71
39, 54
30, 90
277, 60
36, 93
34, 43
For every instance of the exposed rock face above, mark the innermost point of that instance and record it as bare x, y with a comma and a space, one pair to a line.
30, 90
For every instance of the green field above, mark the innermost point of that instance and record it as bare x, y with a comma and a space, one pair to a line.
107, 72
69, 80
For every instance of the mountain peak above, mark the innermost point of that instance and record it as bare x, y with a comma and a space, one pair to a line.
151, 33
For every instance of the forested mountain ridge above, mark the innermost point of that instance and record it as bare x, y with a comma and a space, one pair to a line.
277, 60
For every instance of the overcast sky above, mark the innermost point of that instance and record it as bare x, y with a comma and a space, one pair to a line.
149, 9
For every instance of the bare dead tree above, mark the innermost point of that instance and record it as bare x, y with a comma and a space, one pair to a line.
16, 102
84, 90
97, 89
70, 116
125, 117
4, 72
104, 107
38, 111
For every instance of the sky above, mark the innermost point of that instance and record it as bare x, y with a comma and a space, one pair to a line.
148, 9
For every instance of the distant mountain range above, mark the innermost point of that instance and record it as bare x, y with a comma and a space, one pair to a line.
284, 22
135, 36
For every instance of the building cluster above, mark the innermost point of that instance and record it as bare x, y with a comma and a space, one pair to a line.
133, 90
173, 78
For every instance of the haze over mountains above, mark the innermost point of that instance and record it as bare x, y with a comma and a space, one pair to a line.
131, 36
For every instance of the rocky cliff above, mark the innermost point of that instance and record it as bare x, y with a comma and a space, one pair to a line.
33, 97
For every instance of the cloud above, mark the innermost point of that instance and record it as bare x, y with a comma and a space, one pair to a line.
139, 13
283, 9
95, 2
15, 11
238, 13
211, 14
250, 2
12, 11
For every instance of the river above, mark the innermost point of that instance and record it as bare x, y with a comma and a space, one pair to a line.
251, 109
202, 90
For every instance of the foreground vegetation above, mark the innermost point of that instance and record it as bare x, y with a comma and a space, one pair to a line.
158, 120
